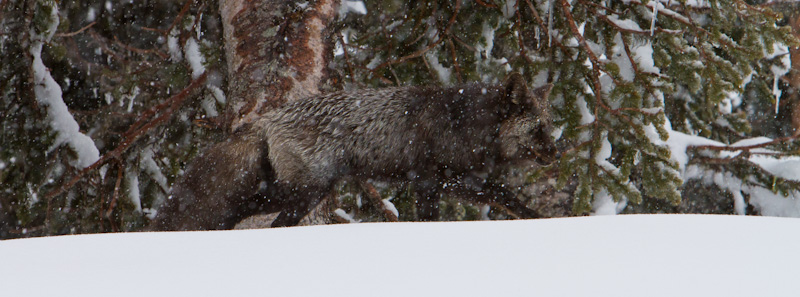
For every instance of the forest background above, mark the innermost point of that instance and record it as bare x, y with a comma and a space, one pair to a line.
662, 106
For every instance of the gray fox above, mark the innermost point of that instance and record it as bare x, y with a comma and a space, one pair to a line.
438, 139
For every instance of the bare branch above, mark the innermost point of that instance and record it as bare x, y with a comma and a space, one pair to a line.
76, 32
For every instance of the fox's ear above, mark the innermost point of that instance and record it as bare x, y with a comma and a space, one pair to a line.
516, 88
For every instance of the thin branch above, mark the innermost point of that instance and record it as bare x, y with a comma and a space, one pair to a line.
592, 57
454, 56
180, 16
347, 58
484, 4
141, 51
115, 196
375, 197
76, 32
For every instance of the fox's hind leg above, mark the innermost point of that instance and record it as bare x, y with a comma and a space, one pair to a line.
301, 200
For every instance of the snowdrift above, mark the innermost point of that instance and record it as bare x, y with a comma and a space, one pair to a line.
641, 255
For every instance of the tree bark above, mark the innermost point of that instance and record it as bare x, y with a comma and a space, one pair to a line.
277, 51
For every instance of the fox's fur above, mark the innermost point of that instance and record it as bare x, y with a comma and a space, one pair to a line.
433, 137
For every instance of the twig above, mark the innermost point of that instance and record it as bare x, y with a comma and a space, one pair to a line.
373, 195
347, 58
76, 32
180, 16
115, 196
455, 60
484, 4
141, 51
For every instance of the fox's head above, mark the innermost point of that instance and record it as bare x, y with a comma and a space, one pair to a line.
525, 134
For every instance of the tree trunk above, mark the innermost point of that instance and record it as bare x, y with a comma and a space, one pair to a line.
277, 51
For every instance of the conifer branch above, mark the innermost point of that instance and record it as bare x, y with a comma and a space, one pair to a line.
130, 137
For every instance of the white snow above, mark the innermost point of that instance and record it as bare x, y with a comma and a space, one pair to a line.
626, 24
604, 205
483, 50
764, 200
732, 100
209, 106
643, 55
781, 51
390, 206
344, 215
601, 157
678, 143
132, 179
586, 115
620, 57
509, 9
772, 204
91, 14
217, 93
643, 255
132, 97
173, 46
49, 95
150, 167
194, 57
444, 73
349, 6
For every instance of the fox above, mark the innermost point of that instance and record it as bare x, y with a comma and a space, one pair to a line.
439, 139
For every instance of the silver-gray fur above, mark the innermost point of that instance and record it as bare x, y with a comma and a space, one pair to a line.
424, 135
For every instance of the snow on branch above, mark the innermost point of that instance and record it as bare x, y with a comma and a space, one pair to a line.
48, 93
148, 120
748, 153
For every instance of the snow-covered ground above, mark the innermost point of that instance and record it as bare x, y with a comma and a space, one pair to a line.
641, 255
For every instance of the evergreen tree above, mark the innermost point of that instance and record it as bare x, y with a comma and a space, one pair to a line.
103, 103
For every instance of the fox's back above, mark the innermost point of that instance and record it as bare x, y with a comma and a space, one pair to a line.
387, 131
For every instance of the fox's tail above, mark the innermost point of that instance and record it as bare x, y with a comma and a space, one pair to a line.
220, 188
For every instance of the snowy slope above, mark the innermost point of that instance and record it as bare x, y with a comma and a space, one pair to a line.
643, 255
